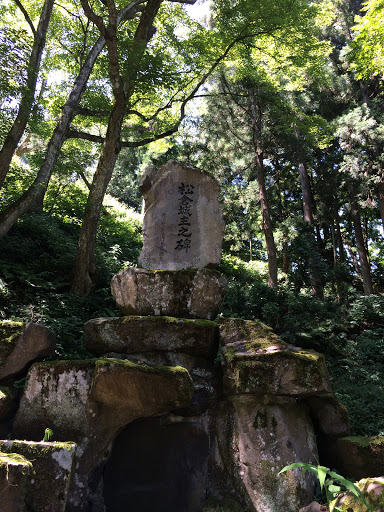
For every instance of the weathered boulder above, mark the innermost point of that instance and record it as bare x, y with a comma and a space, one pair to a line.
53, 465
257, 361
257, 436
182, 294
89, 402
183, 225
359, 457
329, 415
15, 479
7, 402
372, 490
21, 345
133, 334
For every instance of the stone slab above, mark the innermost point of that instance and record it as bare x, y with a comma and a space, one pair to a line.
21, 345
183, 225
182, 294
53, 466
255, 360
15, 479
359, 457
140, 334
89, 402
330, 416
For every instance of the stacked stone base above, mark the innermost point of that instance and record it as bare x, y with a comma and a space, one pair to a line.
176, 411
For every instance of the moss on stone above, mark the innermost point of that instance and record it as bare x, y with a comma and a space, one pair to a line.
255, 334
373, 491
365, 441
9, 332
198, 322
14, 459
142, 367
33, 449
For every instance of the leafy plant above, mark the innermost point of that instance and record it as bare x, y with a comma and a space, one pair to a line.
328, 484
48, 434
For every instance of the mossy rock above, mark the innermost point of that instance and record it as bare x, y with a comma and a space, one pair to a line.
9, 333
373, 492
255, 360
361, 457
52, 465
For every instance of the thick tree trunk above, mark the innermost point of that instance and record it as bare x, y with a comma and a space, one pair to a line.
316, 282
17, 129
267, 223
84, 271
363, 253
380, 196
35, 194
307, 194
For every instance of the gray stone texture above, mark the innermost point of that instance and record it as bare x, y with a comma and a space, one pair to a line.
256, 437
183, 225
52, 469
89, 402
257, 361
140, 334
15, 479
21, 346
330, 416
182, 294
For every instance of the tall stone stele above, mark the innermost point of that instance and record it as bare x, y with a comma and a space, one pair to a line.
183, 230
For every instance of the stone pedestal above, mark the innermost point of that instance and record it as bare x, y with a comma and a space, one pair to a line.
182, 294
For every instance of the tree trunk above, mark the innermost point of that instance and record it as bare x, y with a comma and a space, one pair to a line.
380, 195
339, 240
35, 193
267, 223
17, 129
316, 282
363, 254
84, 271
307, 194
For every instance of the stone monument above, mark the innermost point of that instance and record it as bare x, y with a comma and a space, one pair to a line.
162, 418
183, 231
183, 224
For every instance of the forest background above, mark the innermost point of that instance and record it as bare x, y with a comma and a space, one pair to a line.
281, 100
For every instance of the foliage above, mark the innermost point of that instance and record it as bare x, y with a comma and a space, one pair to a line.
48, 435
368, 56
331, 490
36, 261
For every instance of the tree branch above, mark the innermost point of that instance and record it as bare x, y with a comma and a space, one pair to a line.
26, 16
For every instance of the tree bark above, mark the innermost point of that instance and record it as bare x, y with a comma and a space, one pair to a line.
25, 107
363, 253
84, 271
267, 223
307, 194
380, 197
35, 193
316, 282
